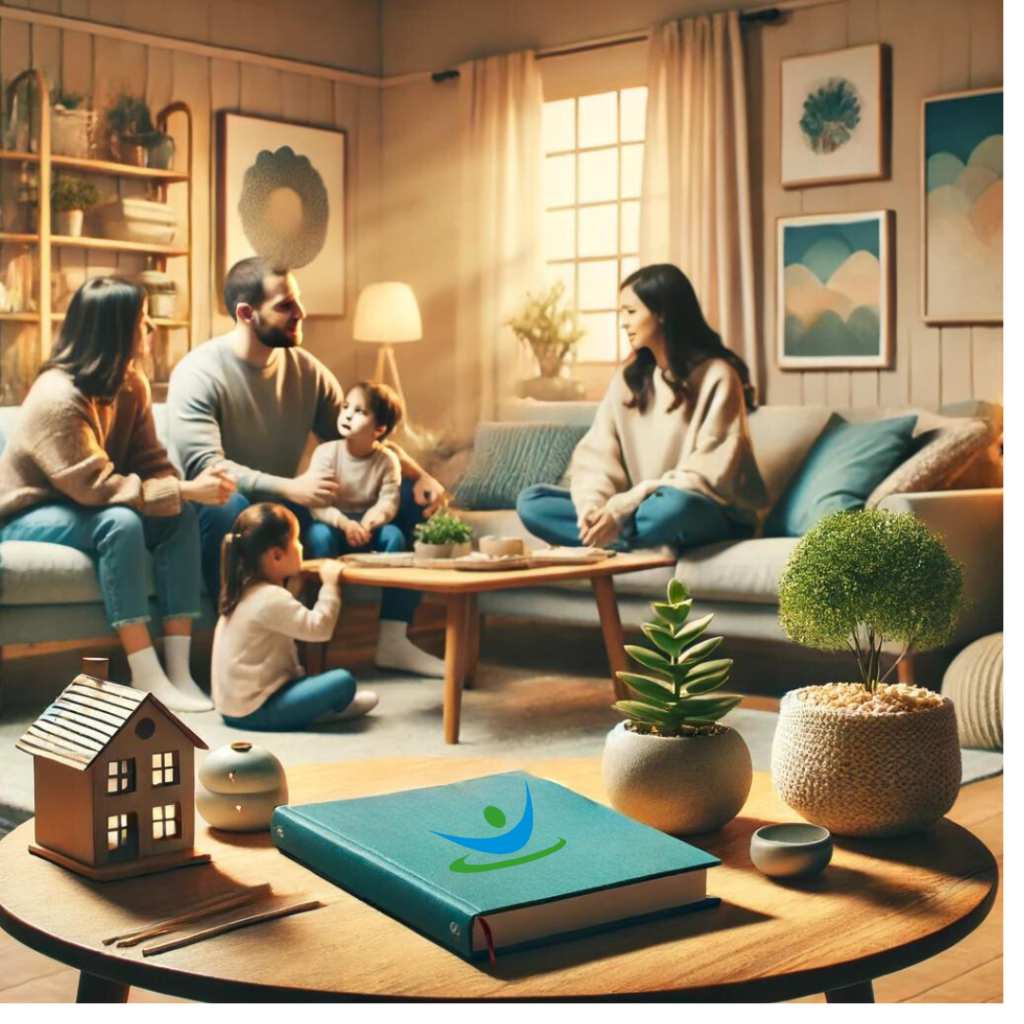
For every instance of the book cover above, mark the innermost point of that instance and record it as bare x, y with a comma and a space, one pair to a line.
497, 848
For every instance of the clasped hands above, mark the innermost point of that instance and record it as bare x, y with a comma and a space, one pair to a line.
599, 528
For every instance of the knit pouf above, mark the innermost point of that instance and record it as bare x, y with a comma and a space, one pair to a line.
974, 683
866, 775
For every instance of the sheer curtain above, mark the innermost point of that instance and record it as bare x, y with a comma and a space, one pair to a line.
500, 225
695, 206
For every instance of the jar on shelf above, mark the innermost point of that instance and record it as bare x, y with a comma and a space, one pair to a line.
162, 293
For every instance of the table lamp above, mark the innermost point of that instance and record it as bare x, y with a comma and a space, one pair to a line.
387, 314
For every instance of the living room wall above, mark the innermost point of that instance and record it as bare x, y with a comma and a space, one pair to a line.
937, 46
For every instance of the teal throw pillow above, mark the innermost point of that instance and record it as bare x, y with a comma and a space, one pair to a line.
843, 467
507, 457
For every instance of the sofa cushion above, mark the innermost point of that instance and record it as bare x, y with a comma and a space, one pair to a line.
843, 467
747, 571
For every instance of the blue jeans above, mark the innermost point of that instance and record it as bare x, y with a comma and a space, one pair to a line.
681, 519
299, 703
117, 538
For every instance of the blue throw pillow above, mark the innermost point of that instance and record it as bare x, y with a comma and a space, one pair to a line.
845, 464
508, 457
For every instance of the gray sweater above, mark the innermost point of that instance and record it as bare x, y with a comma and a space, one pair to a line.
254, 421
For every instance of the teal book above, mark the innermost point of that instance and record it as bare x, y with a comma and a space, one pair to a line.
496, 863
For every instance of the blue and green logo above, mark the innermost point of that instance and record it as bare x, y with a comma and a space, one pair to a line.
508, 842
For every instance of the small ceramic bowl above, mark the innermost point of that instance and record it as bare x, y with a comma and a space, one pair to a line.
501, 546
792, 850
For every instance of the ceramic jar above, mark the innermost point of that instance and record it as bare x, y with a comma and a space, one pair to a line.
682, 785
161, 152
239, 787
68, 223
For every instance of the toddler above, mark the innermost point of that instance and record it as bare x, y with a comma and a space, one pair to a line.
258, 682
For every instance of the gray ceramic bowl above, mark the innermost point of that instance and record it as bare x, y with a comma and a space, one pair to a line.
792, 850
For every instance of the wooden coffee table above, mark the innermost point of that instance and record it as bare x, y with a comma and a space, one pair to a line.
458, 589
880, 906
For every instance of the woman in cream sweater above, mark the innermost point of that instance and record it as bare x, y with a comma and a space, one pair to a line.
83, 467
668, 458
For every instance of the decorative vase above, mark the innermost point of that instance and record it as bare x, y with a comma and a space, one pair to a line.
866, 775
424, 550
682, 785
239, 787
161, 152
69, 223
71, 132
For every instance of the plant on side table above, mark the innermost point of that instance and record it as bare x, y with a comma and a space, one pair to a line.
672, 764
551, 329
70, 198
869, 758
443, 535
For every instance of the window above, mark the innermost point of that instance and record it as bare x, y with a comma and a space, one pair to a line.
593, 167
121, 834
166, 821
121, 776
165, 769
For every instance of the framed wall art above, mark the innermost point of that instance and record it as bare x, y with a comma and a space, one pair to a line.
281, 195
834, 117
835, 292
962, 208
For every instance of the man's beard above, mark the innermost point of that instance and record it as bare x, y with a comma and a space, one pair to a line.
274, 337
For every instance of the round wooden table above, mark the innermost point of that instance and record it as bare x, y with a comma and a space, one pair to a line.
879, 907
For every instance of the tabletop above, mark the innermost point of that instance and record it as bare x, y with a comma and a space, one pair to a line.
880, 906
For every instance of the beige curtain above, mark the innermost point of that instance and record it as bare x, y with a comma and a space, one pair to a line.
500, 226
695, 209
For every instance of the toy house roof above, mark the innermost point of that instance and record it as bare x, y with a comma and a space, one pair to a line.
79, 725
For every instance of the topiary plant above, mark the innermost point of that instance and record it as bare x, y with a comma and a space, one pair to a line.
861, 578
443, 528
68, 193
679, 698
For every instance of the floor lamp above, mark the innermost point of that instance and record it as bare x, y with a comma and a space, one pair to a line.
387, 314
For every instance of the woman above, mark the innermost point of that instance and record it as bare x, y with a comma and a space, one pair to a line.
83, 467
668, 459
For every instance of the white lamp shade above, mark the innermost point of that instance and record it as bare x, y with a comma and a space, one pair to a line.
387, 313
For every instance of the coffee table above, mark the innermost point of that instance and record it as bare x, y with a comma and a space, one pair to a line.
459, 589
880, 906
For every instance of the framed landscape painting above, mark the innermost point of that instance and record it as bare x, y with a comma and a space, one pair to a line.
835, 294
962, 208
834, 115
281, 195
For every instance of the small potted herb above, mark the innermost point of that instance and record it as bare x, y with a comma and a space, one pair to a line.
672, 764
69, 199
130, 129
443, 535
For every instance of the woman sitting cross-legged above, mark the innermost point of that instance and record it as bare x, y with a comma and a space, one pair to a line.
83, 467
668, 459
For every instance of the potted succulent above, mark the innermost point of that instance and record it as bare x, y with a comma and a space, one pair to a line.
868, 758
69, 199
672, 764
130, 129
551, 330
72, 124
443, 535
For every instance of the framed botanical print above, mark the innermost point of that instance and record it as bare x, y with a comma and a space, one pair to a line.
962, 208
835, 296
281, 195
834, 117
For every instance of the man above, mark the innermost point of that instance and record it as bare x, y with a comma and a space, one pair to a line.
247, 402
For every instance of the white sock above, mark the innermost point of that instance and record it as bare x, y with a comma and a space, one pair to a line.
176, 658
148, 675
396, 651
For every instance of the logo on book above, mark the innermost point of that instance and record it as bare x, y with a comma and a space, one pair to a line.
508, 842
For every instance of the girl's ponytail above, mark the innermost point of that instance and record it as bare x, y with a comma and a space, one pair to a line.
256, 530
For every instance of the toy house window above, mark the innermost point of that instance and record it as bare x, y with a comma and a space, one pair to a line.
167, 821
121, 776
120, 832
166, 771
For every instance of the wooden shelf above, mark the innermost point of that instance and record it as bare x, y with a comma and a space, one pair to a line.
114, 245
89, 166
158, 321
14, 236
22, 158
19, 318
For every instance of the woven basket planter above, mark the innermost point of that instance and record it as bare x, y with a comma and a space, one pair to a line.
866, 775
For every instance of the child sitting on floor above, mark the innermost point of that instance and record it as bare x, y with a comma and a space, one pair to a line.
258, 682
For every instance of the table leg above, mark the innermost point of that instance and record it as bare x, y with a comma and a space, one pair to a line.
611, 628
473, 647
456, 642
862, 992
93, 989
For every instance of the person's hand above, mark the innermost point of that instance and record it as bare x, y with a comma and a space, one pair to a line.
214, 486
330, 571
356, 534
599, 529
314, 490
429, 492
371, 523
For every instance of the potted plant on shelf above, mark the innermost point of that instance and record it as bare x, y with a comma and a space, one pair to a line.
130, 129
70, 198
443, 535
868, 758
672, 764
72, 124
552, 331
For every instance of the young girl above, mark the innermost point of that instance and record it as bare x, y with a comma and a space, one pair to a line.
258, 682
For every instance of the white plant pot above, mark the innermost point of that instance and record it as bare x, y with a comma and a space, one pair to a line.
69, 223
423, 550
682, 785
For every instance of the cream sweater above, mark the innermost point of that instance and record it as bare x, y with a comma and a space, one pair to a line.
702, 446
370, 486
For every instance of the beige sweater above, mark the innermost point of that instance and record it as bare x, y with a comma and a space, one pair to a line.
702, 446
65, 445
370, 486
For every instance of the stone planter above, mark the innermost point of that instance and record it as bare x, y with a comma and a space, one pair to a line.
68, 223
72, 132
866, 775
423, 550
682, 785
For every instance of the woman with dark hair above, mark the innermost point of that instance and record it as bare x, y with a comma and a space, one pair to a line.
83, 467
668, 458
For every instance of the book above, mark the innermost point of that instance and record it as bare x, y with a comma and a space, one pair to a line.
444, 861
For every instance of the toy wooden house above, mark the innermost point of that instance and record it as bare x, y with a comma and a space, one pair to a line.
114, 782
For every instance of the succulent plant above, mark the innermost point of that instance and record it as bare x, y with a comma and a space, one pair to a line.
443, 528
679, 696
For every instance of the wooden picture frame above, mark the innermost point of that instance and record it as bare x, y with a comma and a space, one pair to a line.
962, 207
834, 116
835, 291
282, 194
